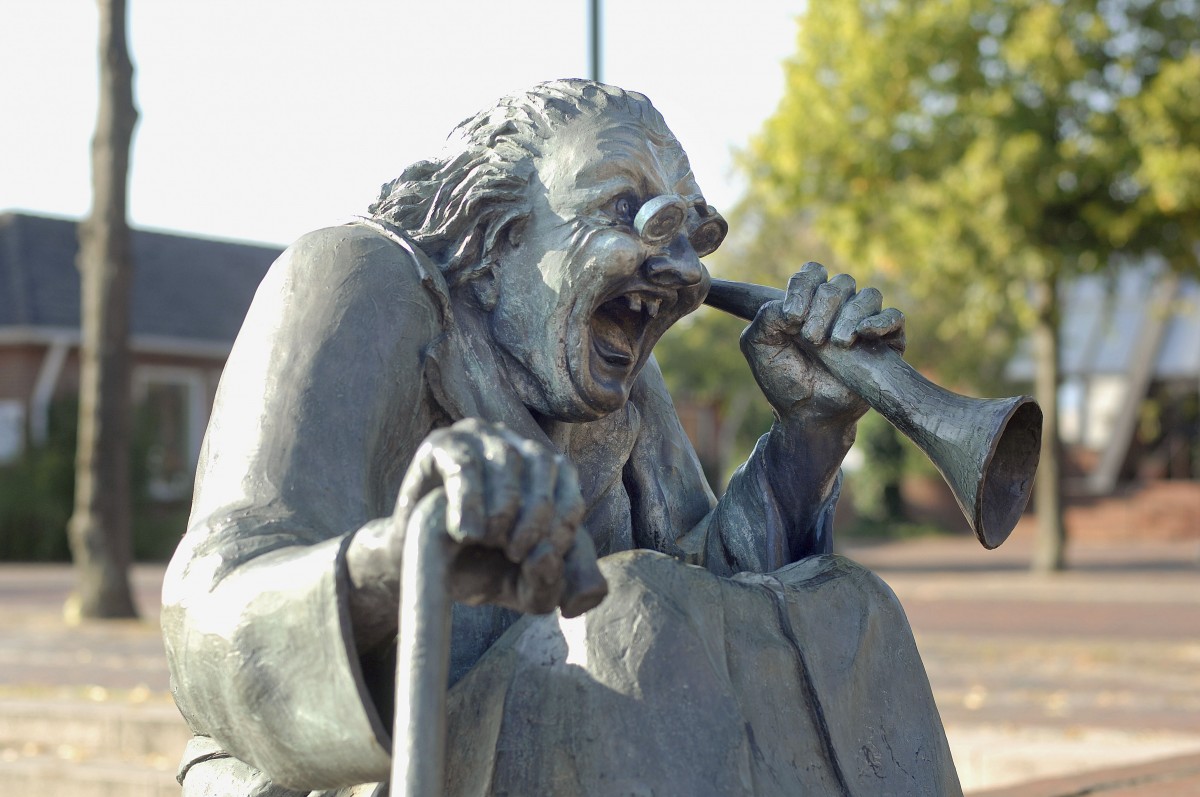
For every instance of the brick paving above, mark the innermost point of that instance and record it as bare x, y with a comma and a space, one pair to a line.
1172, 777
39, 649
84, 710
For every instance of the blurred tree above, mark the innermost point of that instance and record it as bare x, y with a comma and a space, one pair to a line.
985, 150
100, 529
880, 498
702, 363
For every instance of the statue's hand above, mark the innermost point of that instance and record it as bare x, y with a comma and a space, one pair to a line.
514, 514
514, 510
823, 313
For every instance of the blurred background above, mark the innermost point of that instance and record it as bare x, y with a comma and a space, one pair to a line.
1021, 178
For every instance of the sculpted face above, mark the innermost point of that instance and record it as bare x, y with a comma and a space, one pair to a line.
582, 296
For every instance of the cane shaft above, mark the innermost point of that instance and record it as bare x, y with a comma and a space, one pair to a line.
423, 654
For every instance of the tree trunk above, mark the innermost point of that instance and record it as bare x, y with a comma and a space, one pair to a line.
1050, 546
100, 529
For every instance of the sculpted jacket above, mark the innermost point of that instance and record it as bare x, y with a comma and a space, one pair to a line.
352, 352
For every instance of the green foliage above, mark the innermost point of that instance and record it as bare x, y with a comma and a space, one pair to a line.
875, 486
972, 154
868, 529
37, 495
157, 529
702, 361
700, 357
157, 525
969, 146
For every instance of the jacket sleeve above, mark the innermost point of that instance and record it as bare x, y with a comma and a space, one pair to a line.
674, 510
318, 412
746, 532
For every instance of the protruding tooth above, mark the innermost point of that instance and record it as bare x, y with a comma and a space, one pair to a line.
652, 306
635, 302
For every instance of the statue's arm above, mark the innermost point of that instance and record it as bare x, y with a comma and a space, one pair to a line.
778, 507
791, 481
318, 413
770, 515
757, 525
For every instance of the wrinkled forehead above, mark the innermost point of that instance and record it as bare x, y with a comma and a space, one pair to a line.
598, 155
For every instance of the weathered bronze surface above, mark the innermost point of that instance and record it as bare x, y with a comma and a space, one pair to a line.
455, 398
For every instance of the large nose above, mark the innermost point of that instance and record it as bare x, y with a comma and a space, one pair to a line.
671, 261
676, 267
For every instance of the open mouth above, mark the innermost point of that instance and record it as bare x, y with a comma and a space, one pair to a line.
619, 326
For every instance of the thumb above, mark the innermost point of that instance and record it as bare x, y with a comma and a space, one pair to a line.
584, 584
770, 327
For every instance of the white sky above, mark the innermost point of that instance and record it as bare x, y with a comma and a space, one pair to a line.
263, 119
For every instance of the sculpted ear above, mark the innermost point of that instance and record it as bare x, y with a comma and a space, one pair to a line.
485, 289
503, 237
515, 232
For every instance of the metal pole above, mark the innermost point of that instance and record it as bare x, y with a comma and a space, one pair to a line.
595, 39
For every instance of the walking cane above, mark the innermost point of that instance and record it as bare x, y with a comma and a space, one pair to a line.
422, 654
423, 642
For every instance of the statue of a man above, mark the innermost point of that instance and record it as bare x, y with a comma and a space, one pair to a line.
487, 330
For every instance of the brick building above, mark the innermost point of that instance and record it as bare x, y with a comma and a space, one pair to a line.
189, 297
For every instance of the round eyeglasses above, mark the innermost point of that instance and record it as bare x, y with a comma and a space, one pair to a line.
660, 219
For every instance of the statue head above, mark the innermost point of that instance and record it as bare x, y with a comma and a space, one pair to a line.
569, 215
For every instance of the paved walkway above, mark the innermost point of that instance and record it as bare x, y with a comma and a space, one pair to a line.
1045, 683
84, 711
39, 650
1069, 675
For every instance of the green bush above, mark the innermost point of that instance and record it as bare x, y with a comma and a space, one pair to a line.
35, 505
875, 486
37, 496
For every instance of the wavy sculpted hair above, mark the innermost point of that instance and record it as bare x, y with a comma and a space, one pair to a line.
461, 205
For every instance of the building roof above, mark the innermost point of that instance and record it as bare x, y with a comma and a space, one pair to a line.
188, 292
1105, 318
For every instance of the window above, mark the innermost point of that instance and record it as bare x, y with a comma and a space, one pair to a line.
171, 412
12, 430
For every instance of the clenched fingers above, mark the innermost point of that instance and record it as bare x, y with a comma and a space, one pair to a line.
779, 322
541, 580
801, 290
887, 326
827, 304
865, 303
537, 508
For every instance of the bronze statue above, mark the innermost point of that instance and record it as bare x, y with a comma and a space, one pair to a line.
484, 336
